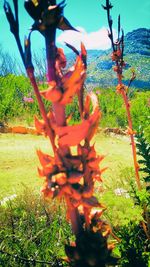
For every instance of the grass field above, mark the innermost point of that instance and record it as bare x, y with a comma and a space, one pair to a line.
18, 161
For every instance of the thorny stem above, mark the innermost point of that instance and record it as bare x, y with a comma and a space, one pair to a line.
50, 134
136, 166
119, 69
110, 23
124, 95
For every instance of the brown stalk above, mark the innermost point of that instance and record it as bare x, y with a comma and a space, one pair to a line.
119, 46
50, 133
119, 69
127, 105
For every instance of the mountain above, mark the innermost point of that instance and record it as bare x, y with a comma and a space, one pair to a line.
138, 42
136, 56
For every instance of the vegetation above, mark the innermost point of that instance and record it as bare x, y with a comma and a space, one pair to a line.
29, 225
13, 107
73, 174
33, 232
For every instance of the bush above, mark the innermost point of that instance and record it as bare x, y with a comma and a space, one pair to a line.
140, 111
13, 89
133, 246
32, 229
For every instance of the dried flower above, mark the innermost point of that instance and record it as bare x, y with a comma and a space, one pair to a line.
47, 14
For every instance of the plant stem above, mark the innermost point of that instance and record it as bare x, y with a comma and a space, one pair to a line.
59, 113
59, 110
127, 105
74, 217
50, 133
136, 166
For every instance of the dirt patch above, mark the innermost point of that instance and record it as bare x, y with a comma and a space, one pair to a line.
117, 131
31, 130
17, 129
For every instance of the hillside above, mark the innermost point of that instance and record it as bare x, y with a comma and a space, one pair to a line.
137, 56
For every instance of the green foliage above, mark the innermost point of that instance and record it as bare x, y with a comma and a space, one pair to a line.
144, 151
32, 228
134, 246
140, 112
121, 209
113, 110
12, 90
73, 110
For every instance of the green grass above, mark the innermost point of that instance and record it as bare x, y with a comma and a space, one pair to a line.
34, 228
18, 160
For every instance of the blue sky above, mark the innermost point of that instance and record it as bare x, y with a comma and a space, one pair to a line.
87, 16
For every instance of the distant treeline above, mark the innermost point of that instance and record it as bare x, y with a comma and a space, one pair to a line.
17, 101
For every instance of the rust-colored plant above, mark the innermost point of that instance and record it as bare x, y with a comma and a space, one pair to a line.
117, 57
67, 174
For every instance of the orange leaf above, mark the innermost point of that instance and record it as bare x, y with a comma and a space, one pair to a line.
97, 176
88, 191
40, 172
94, 122
103, 169
44, 159
59, 178
92, 153
39, 125
94, 163
72, 135
87, 107
82, 150
67, 189
53, 93
74, 82
46, 191
74, 177
47, 170
75, 194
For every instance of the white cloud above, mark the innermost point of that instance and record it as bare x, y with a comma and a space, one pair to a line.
92, 40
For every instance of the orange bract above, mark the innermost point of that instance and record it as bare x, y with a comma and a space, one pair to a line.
44, 159
73, 135
40, 125
73, 82
53, 93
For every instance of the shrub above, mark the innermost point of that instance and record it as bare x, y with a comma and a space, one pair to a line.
32, 229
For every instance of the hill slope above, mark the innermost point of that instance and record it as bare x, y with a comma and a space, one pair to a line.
137, 56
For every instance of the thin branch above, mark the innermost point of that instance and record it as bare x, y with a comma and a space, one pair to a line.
31, 260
